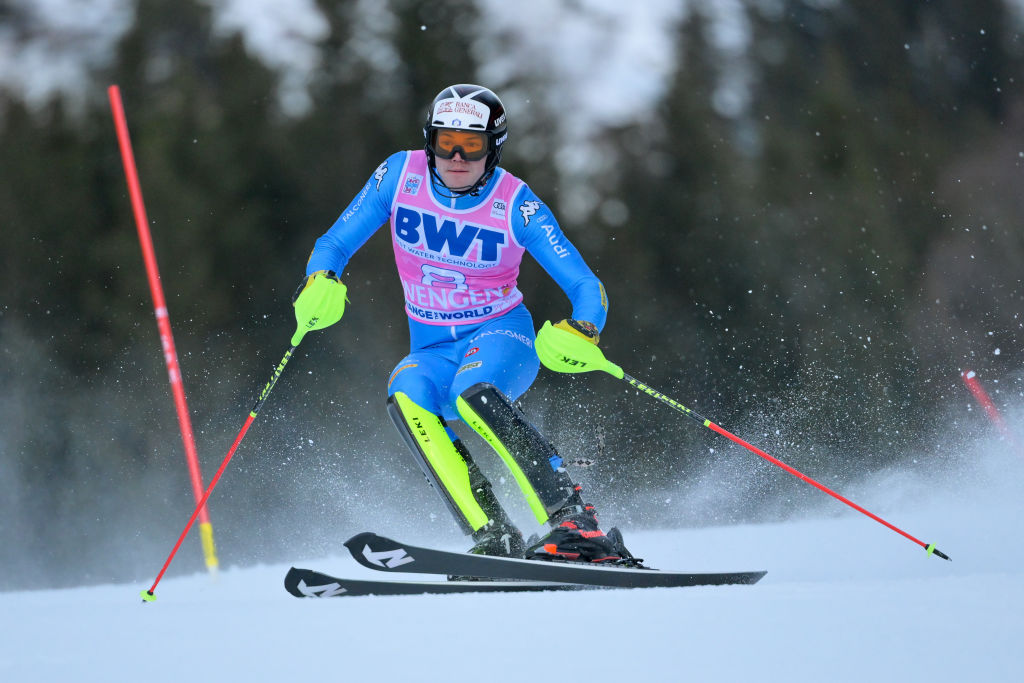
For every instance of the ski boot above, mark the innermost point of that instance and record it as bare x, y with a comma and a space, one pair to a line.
627, 559
496, 538
578, 537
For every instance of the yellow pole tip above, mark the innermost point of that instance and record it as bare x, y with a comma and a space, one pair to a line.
147, 596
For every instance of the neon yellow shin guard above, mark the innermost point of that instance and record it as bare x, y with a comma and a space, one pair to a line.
524, 451
445, 468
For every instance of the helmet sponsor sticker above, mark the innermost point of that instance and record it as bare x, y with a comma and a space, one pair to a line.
452, 112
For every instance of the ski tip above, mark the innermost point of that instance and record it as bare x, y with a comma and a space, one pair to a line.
147, 596
291, 582
361, 539
932, 550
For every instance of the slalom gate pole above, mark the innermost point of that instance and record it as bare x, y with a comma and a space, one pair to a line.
600, 363
163, 322
147, 595
981, 396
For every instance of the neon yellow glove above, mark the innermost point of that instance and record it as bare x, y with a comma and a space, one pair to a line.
570, 346
319, 302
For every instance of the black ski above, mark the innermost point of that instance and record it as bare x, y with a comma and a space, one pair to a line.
384, 554
306, 583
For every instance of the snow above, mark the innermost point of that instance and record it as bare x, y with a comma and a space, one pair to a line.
845, 599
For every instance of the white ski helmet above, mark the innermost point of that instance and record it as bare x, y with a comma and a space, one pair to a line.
467, 107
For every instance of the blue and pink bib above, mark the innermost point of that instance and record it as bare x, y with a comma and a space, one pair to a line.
456, 266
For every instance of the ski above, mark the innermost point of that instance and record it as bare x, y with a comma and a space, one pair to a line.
306, 583
385, 554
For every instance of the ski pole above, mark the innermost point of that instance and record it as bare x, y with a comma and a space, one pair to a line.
147, 595
595, 360
930, 547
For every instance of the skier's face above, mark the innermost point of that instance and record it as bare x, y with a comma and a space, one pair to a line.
459, 174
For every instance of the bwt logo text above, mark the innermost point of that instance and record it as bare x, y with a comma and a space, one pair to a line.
449, 238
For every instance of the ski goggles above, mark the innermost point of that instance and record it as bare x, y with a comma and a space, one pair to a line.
472, 145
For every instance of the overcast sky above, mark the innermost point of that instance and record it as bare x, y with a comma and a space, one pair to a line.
608, 59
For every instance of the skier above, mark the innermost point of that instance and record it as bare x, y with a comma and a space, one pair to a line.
460, 225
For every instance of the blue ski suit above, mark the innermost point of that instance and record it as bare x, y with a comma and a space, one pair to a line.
448, 353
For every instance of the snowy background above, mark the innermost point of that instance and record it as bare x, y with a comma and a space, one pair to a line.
845, 599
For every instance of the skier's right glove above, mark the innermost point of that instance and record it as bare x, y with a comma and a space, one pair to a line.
319, 302
570, 346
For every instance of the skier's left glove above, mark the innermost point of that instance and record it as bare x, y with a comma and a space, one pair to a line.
319, 302
570, 346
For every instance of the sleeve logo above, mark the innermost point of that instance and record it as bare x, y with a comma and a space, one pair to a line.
528, 209
380, 173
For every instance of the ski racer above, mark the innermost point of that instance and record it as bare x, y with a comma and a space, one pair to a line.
460, 225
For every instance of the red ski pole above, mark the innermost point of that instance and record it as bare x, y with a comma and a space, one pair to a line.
147, 595
930, 547
574, 357
163, 321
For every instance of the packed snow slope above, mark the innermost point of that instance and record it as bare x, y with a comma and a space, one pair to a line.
845, 599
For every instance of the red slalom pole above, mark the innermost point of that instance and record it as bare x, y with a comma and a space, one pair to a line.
163, 321
981, 396
148, 595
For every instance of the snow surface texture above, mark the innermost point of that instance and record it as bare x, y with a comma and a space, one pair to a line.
845, 599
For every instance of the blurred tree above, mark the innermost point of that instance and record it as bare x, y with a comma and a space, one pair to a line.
213, 161
788, 237
863, 105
